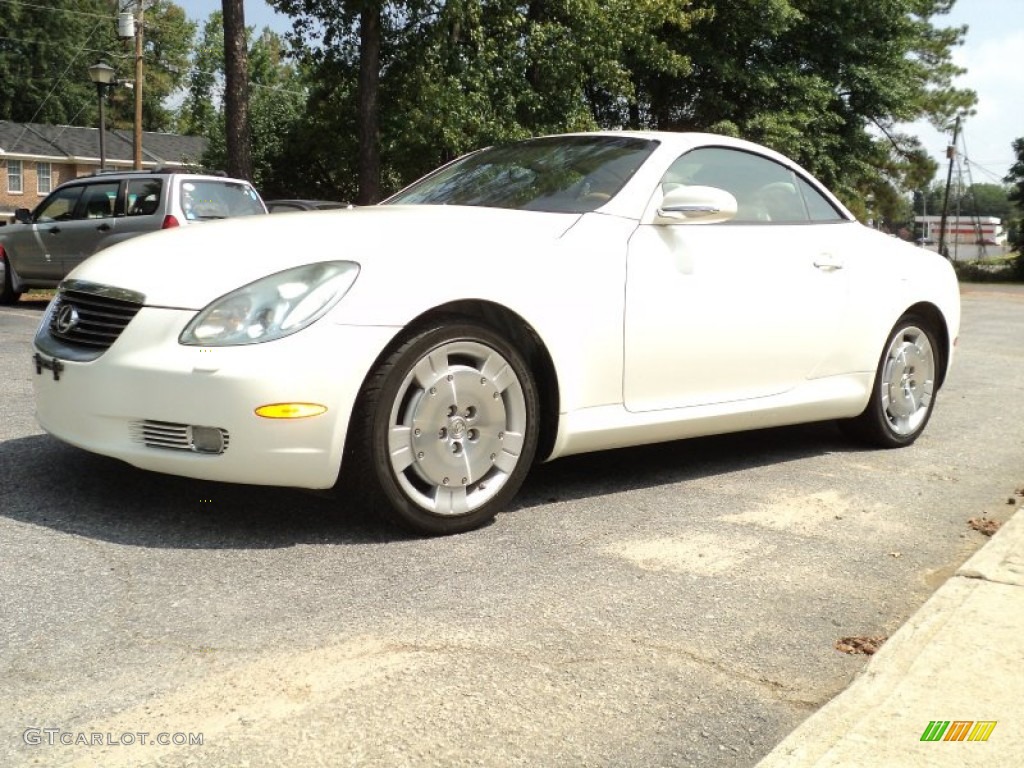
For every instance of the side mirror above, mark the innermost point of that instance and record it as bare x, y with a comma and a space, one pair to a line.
23, 216
696, 205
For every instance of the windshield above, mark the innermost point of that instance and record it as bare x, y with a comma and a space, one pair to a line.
559, 174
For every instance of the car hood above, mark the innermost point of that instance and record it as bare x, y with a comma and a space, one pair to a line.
188, 268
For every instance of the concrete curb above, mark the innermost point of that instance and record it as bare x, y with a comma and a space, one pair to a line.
957, 658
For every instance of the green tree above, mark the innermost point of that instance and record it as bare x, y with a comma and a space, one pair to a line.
44, 57
278, 100
277, 108
987, 200
975, 200
825, 82
198, 113
353, 33
167, 38
1016, 196
46, 50
454, 75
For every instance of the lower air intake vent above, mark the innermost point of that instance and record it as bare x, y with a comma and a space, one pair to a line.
181, 437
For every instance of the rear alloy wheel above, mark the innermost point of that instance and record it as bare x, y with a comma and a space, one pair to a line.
454, 428
905, 387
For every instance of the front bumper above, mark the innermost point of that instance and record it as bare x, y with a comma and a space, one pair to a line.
146, 376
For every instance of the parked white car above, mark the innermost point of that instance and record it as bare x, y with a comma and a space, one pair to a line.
556, 296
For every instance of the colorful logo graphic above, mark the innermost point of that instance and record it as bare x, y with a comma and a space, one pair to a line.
959, 730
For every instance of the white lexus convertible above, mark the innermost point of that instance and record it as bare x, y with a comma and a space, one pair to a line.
525, 302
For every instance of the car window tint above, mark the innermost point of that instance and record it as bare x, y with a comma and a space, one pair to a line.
144, 196
205, 200
561, 174
765, 191
98, 200
818, 206
59, 206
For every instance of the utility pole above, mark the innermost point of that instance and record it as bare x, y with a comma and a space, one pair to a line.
127, 29
137, 137
951, 153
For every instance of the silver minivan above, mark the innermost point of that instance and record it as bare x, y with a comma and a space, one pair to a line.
89, 213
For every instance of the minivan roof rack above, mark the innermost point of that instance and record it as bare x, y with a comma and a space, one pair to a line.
162, 169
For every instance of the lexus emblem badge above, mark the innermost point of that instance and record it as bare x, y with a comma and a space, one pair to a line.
67, 319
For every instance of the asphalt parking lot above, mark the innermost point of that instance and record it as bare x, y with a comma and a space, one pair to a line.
675, 605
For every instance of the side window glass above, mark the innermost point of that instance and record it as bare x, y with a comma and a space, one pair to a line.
818, 206
98, 200
59, 206
765, 191
144, 196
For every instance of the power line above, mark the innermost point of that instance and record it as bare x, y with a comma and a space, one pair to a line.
68, 11
152, 59
995, 177
47, 43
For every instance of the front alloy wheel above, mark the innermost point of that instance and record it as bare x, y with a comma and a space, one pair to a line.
455, 428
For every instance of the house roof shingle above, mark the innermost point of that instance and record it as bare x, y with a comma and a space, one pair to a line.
68, 143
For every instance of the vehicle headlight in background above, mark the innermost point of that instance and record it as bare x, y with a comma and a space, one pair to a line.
272, 307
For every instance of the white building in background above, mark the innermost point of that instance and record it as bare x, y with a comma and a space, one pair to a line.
962, 230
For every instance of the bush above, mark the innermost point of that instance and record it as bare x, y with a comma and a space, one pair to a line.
1005, 270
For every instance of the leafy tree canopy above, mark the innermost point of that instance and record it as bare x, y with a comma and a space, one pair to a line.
1016, 175
44, 57
1016, 179
47, 48
972, 200
278, 96
825, 81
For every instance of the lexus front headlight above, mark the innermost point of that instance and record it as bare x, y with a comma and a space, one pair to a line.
272, 307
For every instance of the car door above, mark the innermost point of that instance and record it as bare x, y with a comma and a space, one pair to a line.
34, 247
144, 208
744, 309
92, 224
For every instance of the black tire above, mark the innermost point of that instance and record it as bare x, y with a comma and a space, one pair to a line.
446, 429
7, 293
904, 389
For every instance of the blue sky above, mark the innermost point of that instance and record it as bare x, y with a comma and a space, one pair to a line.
257, 13
991, 54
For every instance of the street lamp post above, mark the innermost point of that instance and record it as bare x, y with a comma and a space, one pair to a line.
102, 74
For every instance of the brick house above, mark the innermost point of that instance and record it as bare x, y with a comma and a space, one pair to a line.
35, 158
